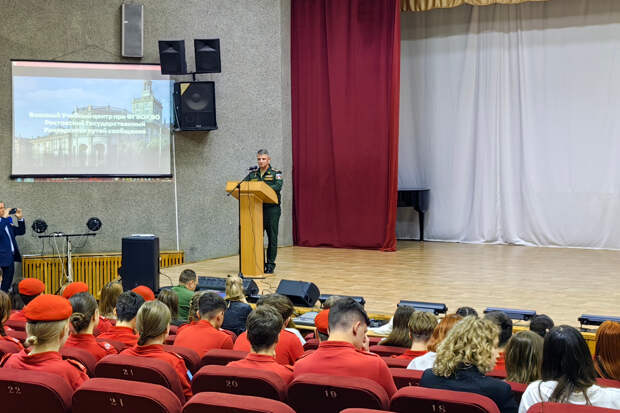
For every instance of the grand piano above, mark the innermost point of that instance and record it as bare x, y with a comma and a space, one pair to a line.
418, 199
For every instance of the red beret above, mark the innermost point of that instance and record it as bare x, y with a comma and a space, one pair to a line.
321, 321
48, 307
145, 292
31, 286
74, 288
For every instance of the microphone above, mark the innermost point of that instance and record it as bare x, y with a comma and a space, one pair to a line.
253, 168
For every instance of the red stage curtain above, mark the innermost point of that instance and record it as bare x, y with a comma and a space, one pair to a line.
345, 73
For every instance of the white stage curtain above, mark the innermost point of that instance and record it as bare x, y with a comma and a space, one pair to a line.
511, 115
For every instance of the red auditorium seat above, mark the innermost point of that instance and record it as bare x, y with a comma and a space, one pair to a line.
221, 357
230, 333
20, 335
173, 329
8, 347
119, 346
375, 340
312, 393
311, 344
309, 336
414, 399
396, 362
517, 389
387, 350
16, 325
112, 395
221, 402
83, 356
358, 410
33, 391
142, 369
239, 380
567, 408
608, 383
404, 377
170, 339
497, 373
191, 358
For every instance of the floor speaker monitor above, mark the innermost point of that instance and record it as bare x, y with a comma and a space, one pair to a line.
301, 293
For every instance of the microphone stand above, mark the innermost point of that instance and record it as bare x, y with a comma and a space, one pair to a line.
68, 237
238, 188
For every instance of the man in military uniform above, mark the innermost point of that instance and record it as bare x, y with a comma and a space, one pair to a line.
271, 212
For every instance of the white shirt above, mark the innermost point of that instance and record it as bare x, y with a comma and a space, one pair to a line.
599, 396
298, 334
423, 362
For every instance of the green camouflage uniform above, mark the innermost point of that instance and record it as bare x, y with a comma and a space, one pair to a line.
271, 213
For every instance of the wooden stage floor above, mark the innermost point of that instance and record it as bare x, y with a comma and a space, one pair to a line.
561, 282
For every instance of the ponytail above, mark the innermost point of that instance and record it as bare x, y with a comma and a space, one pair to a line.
152, 320
84, 307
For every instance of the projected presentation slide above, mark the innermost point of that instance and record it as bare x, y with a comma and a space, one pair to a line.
90, 119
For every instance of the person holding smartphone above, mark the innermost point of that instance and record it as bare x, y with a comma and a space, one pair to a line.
9, 251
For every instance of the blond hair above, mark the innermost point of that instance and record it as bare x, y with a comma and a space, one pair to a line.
421, 325
234, 288
43, 332
152, 320
469, 343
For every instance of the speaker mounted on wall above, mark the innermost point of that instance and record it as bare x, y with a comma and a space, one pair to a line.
207, 55
194, 106
132, 27
172, 57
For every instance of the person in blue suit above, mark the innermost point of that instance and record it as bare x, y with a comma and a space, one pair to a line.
9, 251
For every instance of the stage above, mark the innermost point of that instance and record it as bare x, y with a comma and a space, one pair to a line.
561, 282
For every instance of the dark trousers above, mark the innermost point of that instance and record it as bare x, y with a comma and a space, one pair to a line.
7, 277
271, 219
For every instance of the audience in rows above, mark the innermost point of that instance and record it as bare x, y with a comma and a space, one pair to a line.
399, 336
427, 360
421, 325
127, 306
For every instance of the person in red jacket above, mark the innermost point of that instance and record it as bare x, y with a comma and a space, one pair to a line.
342, 354
264, 325
127, 307
79, 287
84, 319
421, 325
205, 335
47, 329
145, 292
289, 348
153, 324
5, 311
29, 289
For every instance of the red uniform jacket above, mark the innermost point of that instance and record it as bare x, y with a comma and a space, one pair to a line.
12, 340
123, 334
18, 316
339, 358
411, 354
51, 362
288, 349
103, 326
184, 326
90, 344
264, 362
202, 337
157, 351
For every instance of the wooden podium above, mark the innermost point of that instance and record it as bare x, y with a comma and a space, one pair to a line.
253, 195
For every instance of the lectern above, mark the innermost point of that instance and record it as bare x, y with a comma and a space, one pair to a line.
252, 195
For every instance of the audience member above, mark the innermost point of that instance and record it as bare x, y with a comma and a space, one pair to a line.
47, 328
464, 357
321, 325
5, 311
399, 336
153, 325
185, 290
330, 301
289, 348
524, 357
421, 326
342, 353
607, 350
144, 292
541, 324
29, 289
439, 333
237, 308
466, 311
205, 335
127, 306
504, 323
84, 319
169, 297
74, 288
264, 327
107, 300
568, 374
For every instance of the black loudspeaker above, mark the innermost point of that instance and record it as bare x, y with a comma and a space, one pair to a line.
172, 57
301, 293
194, 106
219, 284
207, 55
132, 23
140, 263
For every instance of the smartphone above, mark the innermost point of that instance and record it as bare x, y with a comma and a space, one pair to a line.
12, 211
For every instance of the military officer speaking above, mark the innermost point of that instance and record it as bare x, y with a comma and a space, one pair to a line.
271, 212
